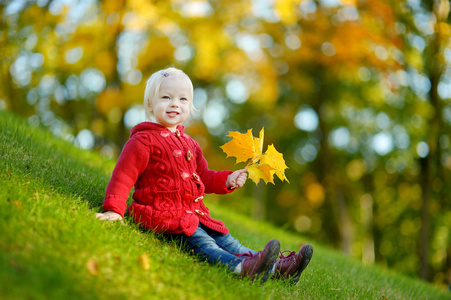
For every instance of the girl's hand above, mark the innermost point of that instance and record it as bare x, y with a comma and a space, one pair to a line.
110, 216
236, 179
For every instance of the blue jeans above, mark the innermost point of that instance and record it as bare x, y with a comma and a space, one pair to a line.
214, 246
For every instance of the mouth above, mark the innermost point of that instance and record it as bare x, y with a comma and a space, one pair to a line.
173, 113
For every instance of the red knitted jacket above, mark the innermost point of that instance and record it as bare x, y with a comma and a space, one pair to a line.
170, 176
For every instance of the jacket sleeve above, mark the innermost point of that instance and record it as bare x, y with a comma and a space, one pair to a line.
214, 181
132, 162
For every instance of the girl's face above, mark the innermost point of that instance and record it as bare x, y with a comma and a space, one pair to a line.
173, 104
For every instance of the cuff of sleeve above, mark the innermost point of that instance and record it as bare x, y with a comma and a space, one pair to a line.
116, 204
220, 180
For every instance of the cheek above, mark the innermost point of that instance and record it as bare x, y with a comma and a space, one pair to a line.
156, 107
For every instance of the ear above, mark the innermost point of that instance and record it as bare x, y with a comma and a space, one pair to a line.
149, 106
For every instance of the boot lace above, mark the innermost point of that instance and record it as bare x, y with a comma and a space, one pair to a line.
289, 256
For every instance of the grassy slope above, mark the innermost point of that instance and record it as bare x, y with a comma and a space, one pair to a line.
52, 247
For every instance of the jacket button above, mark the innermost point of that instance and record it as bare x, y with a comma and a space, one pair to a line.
188, 155
177, 133
196, 177
198, 199
199, 212
188, 211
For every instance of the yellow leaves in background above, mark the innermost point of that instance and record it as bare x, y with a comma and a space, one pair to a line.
266, 90
109, 98
115, 99
158, 52
315, 194
247, 148
348, 2
442, 9
105, 62
444, 29
355, 169
212, 45
414, 58
286, 12
40, 19
146, 9
112, 6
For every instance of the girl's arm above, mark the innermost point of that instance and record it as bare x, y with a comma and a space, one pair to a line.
132, 162
214, 181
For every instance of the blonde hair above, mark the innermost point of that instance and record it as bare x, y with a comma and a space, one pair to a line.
153, 87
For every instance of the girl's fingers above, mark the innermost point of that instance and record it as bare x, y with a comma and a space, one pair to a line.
101, 216
108, 216
242, 178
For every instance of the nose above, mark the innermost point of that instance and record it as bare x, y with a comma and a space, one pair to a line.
173, 103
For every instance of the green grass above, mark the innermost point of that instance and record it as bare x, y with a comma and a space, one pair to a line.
52, 247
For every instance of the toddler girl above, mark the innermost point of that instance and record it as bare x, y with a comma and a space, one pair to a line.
171, 176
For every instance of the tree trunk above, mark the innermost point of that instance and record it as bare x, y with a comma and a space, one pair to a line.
366, 214
425, 220
328, 175
430, 165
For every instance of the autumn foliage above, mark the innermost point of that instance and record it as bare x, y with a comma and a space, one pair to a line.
247, 148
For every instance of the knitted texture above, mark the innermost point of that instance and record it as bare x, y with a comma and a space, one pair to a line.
170, 176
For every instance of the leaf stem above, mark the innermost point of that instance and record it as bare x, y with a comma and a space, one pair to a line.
254, 160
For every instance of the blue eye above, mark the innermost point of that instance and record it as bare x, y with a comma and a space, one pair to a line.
184, 99
165, 97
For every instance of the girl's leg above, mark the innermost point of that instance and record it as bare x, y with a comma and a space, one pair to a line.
228, 242
204, 245
219, 248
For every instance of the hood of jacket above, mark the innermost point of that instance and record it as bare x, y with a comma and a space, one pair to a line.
153, 126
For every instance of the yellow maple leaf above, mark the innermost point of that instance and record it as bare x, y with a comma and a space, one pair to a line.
247, 148
144, 261
258, 144
241, 146
259, 171
275, 159
93, 267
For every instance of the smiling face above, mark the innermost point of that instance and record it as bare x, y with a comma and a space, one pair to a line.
172, 105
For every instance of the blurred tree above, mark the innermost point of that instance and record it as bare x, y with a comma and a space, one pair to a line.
427, 26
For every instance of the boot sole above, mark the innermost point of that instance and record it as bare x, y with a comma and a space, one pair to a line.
271, 257
308, 253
